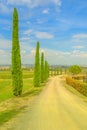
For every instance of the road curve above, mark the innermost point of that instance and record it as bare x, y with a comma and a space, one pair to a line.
55, 109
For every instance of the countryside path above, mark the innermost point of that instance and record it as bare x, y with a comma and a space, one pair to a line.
55, 109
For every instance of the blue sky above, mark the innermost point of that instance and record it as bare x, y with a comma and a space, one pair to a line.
59, 25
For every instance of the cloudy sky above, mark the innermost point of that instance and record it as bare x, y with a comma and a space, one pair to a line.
59, 25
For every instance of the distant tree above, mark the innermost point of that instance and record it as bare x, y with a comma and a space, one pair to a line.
42, 67
37, 67
46, 70
75, 69
65, 70
57, 71
51, 71
17, 81
61, 71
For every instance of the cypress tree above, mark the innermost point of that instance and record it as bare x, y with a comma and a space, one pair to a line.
42, 67
65, 70
51, 71
37, 67
57, 71
60, 71
16, 58
46, 70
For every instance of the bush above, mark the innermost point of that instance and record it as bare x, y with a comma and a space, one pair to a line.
79, 77
75, 69
79, 86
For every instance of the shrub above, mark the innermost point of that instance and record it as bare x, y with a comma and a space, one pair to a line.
79, 86
75, 69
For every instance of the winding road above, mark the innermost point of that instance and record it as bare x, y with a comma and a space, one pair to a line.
55, 108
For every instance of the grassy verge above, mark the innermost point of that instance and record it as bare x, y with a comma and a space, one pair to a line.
7, 115
74, 91
10, 105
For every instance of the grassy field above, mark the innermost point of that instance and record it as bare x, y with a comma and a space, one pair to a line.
10, 105
6, 83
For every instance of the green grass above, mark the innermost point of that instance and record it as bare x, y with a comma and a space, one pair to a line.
6, 74
6, 93
9, 114
5, 89
6, 84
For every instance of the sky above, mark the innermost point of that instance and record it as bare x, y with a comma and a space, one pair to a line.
59, 25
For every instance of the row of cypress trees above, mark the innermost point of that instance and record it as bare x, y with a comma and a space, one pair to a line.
41, 68
56, 71
41, 72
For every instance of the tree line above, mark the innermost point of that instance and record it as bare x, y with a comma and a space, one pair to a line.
41, 66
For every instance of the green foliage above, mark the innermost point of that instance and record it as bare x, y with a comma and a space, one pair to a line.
16, 58
42, 67
7, 115
6, 74
65, 70
57, 71
79, 86
13, 106
61, 71
75, 69
6, 84
37, 67
51, 71
46, 70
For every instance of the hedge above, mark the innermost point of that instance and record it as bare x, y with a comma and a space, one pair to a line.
79, 86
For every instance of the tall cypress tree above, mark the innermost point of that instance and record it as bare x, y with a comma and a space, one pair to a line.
51, 71
46, 70
42, 67
57, 71
17, 81
61, 71
37, 67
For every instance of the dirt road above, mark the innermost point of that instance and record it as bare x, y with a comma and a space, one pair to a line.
55, 109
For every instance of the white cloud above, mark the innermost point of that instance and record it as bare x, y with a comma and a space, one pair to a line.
34, 50
34, 3
53, 56
4, 8
80, 36
43, 35
45, 11
39, 21
60, 57
78, 47
28, 32
79, 39
5, 56
37, 34
79, 54
5, 44
24, 38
